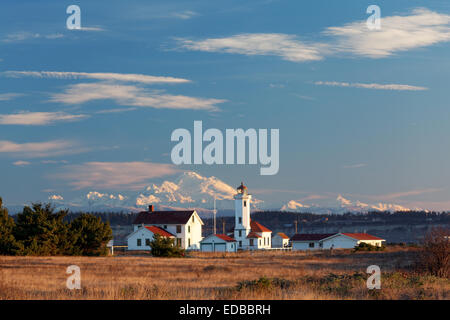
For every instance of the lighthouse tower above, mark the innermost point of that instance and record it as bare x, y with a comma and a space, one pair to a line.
242, 215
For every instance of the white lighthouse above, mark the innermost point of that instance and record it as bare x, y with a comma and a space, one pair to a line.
242, 215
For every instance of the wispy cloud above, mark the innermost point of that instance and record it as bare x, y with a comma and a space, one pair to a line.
128, 95
112, 175
421, 28
125, 77
375, 86
9, 96
184, 15
38, 118
22, 36
40, 149
288, 47
21, 163
357, 165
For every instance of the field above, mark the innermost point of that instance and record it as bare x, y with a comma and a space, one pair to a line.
246, 275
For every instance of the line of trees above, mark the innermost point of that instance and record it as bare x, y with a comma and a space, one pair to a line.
40, 231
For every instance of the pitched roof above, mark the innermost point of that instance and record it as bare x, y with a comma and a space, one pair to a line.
225, 237
311, 236
258, 227
282, 235
253, 235
163, 217
361, 236
160, 231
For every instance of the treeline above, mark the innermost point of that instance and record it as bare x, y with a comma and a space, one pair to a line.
40, 231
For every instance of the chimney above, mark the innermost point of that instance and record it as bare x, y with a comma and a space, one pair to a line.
150, 208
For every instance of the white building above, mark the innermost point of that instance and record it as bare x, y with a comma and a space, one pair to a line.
316, 241
140, 238
218, 243
185, 226
250, 235
280, 240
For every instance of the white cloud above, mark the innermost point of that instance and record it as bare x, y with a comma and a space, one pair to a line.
21, 163
39, 149
375, 86
38, 118
398, 33
126, 77
55, 197
128, 95
111, 175
276, 44
420, 28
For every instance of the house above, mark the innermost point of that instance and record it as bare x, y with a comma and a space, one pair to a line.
249, 234
140, 238
280, 240
185, 226
218, 243
317, 241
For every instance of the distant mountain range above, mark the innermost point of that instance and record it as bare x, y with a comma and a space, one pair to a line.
191, 190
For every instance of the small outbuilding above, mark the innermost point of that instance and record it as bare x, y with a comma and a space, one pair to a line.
218, 243
315, 241
280, 240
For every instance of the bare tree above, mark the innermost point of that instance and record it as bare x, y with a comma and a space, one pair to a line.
435, 256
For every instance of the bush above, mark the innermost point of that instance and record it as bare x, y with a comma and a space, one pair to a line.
165, 247
434, 258
368, 247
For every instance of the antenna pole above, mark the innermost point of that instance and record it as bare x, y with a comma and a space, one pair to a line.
215, 212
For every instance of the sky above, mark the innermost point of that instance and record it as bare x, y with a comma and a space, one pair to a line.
361, 113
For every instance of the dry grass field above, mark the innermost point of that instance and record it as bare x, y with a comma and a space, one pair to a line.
278, 275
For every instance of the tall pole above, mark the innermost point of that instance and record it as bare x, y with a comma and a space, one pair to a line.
215, 212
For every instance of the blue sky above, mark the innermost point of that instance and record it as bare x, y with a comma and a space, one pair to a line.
361, 113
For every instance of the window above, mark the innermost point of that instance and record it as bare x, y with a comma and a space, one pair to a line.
178, 242
240, 233
165, 226
147, 242
139, 242
321, 244
189, 242
178, 229
259, 241
240, 243
193, 219
251, 242
240, 220
245, 203
311, 244
189, 229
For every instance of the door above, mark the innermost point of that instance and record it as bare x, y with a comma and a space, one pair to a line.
206, 247
220, 247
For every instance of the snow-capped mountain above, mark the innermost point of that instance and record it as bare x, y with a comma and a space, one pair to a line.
343, 205
189, 190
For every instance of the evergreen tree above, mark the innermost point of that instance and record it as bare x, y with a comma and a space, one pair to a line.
8, 244
42, 231
164, 247
90, 235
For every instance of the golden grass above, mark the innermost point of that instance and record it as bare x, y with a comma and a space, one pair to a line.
316, 275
